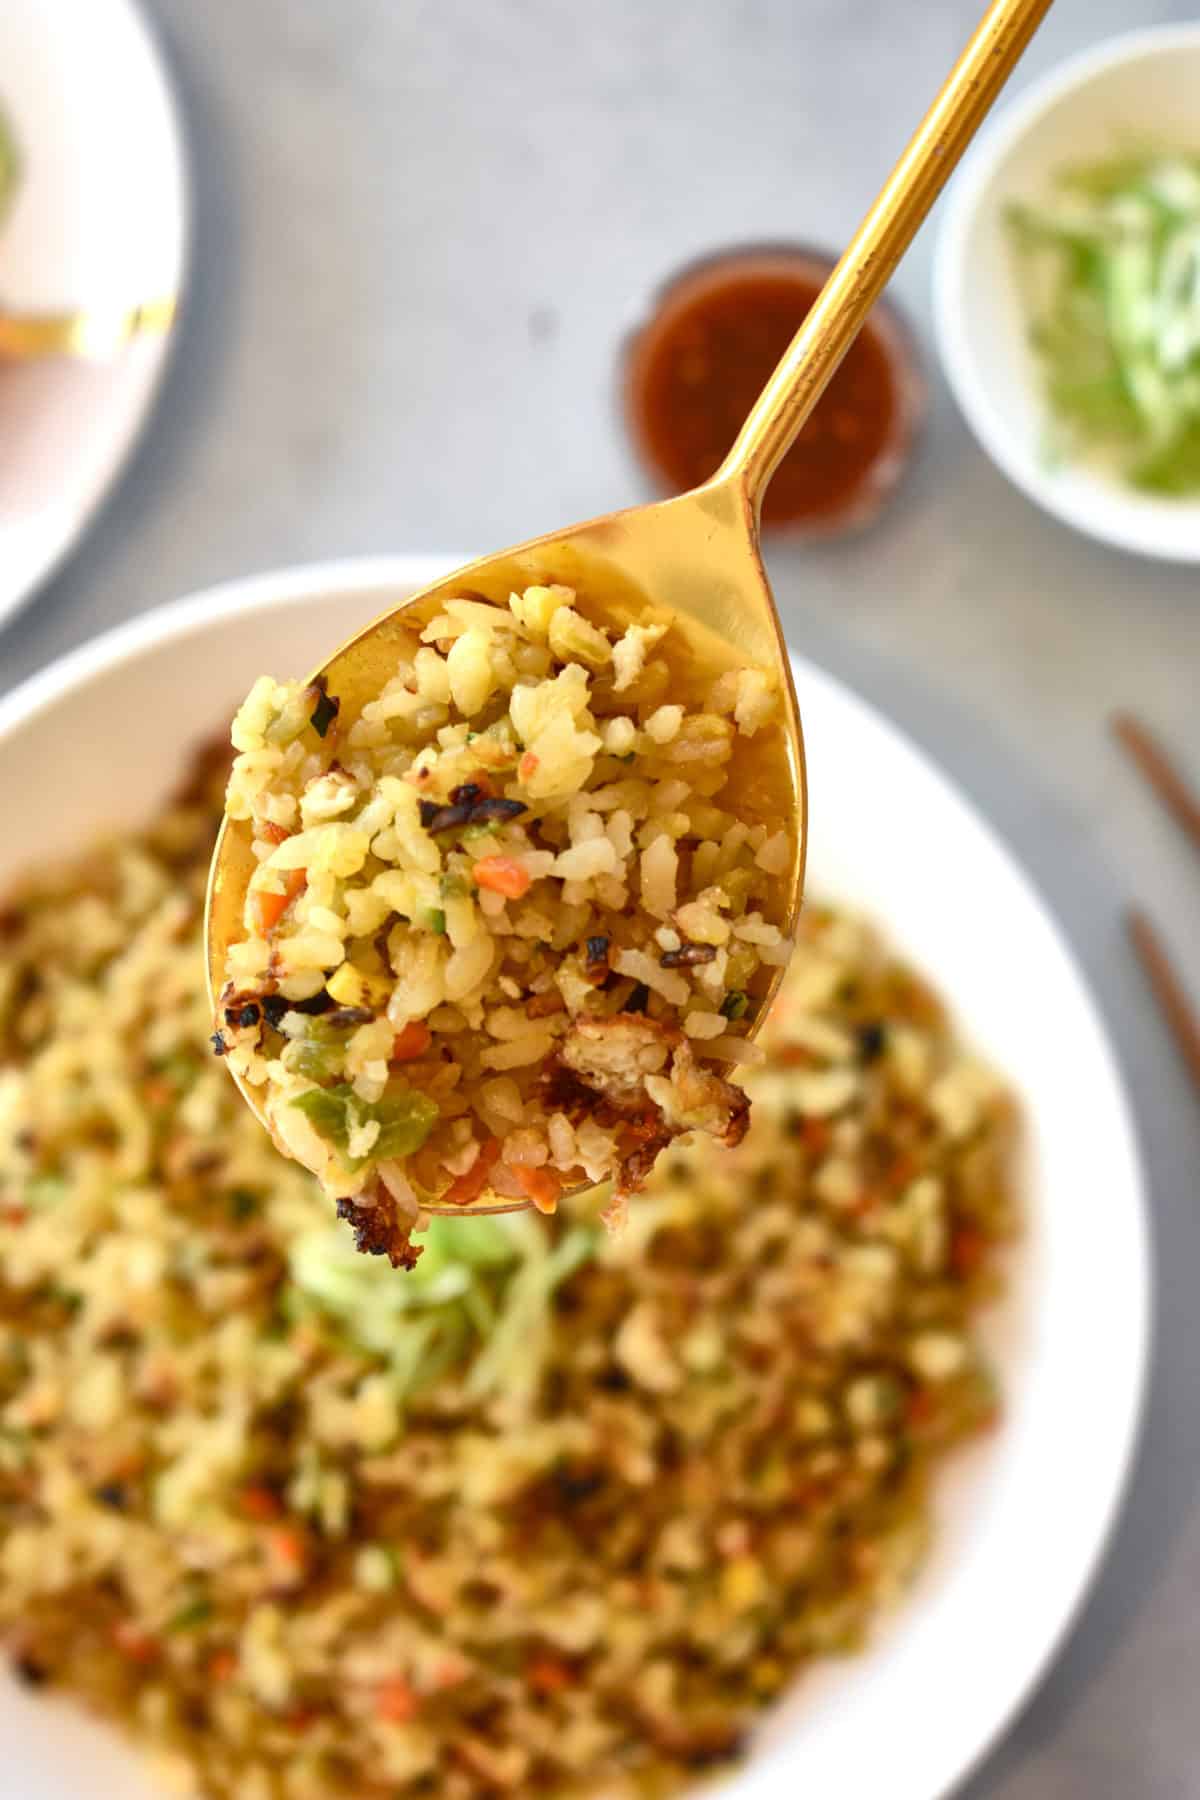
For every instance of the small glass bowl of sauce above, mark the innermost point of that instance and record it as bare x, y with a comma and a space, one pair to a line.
694, 367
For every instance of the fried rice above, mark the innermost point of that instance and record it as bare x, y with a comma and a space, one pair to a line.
558, 1514
509, 925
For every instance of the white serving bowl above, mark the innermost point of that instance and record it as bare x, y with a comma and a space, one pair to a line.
1022, 1516
1143, 88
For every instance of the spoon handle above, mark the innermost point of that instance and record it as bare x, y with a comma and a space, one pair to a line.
92, 336
866, 267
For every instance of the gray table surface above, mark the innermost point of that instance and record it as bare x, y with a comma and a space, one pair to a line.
420, 227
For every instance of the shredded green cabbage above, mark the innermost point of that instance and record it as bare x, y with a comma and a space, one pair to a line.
1112, 277
483, 1285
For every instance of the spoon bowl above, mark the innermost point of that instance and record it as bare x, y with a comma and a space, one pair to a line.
695, 559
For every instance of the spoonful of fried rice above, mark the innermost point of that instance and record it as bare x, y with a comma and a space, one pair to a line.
504, 890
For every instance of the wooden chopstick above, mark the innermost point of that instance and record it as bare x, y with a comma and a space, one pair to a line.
1160, 772
1182, 803
1169, 991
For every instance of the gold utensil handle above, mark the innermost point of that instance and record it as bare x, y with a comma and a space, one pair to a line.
29, 337
880, 241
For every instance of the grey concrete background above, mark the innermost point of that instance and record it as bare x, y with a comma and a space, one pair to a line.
420, 228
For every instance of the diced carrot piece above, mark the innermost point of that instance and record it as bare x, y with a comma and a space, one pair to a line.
222, 1665
527, 765
288, 1547
274, 834
260, 1503
903, 1169
503, 875
266, 909
135, 1643
395, 1701
412, 1042
543, 1186
468, 1187
920, 1407
549, 1675
968, 1247
815, 1136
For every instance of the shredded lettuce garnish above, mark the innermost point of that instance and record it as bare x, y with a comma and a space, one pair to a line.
483, 1285
511, 1361
1112, 276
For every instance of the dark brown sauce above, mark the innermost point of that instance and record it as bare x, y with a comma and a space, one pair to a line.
695, 370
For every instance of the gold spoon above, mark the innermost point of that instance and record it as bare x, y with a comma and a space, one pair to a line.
697, 556
90, 336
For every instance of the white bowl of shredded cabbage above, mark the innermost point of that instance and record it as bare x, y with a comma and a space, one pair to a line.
1067, 292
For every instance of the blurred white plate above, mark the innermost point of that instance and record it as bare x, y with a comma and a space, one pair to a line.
1023, 1517
1141, 89
98, 225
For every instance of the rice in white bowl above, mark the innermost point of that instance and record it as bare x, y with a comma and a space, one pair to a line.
558, 1514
